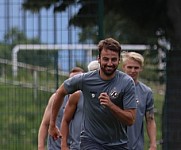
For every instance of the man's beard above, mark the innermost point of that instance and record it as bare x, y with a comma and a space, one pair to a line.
108, 72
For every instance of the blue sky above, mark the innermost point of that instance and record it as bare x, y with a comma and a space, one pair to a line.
14, 12
12, 16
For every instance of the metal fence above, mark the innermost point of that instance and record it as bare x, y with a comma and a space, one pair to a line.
36, 53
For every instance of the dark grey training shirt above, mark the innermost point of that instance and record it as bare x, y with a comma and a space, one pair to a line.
99, 122
145, 103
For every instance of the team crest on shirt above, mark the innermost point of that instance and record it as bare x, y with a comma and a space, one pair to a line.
93, 94
114, 94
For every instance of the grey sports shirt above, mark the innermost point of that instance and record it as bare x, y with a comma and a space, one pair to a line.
76, 126
145, 103
99, 122
55, 144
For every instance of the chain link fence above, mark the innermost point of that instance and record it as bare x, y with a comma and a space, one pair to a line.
37, 51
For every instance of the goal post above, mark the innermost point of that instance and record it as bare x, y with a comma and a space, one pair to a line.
88, 47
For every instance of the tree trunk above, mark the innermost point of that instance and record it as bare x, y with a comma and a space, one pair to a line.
172, 106
174, 15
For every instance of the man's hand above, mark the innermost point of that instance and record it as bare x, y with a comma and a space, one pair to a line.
54, 132
64, 147
105, 100
153, 147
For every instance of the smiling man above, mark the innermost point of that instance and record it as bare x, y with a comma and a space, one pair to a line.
109, 101
132, 65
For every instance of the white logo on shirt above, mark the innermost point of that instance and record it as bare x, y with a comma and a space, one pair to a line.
93, 95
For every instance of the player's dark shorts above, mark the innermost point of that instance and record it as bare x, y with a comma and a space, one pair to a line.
88, 144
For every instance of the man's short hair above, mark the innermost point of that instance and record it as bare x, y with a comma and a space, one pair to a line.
110, 44
93, 65
134, 56
76, 69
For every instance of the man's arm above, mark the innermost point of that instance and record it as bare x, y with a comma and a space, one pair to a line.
43, 130
59, 97
151, 129
69, 112
127, 116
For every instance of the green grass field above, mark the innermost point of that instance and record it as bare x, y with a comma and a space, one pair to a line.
21, 115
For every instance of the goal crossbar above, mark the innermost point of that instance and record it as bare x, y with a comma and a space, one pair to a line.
88, 47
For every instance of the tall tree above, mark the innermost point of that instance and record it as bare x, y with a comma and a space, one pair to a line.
131, 21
